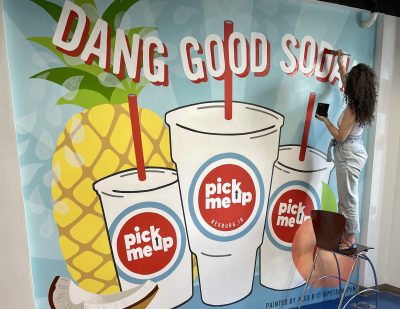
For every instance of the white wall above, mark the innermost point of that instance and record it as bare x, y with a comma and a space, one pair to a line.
382, 212
393, 265
15, 273
391, 215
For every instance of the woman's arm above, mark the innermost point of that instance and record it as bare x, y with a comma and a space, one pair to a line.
341, 133
342, 68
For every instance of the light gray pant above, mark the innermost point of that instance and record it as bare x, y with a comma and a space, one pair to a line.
350, 158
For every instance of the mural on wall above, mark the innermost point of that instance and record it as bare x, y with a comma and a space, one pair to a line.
179, 161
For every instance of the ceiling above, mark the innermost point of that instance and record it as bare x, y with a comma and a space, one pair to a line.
389, 7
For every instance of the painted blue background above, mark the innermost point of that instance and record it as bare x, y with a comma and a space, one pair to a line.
39, 121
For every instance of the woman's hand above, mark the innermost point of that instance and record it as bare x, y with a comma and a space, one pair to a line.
342, 68
340, 58
322, 118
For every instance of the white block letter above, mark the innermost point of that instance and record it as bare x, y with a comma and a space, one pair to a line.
188, 62
155, 70
238, 39
125, 56
260, 54
74, 46
293, 65
98, 45
212, 41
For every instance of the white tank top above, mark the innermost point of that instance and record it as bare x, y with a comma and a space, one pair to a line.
356, 130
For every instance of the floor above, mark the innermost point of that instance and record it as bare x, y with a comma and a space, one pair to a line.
386, 300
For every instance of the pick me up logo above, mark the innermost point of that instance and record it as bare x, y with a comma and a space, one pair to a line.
148, 242
289, 206
226, 197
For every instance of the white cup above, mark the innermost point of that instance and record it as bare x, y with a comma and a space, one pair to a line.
224, 169
296, 189
147, 233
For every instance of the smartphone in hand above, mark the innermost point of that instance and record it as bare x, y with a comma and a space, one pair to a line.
322, 109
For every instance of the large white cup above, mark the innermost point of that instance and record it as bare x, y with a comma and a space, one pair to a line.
296, 189
224, 169
147, 233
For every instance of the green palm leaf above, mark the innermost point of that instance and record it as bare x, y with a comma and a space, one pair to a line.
83, 97
73, 79
114, 13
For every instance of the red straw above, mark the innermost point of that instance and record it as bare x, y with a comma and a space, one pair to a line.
307, 123
137, 137
228, 30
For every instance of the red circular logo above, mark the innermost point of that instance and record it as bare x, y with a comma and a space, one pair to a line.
289, 212
146, 243
227, 197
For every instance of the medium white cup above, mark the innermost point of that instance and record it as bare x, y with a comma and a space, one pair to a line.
296, 189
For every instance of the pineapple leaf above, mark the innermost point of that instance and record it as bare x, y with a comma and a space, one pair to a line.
69, 61
90, 9
47, 43
114, 13
83, 2
110, 80
74, 79
83, 97
142, 31
53, 9
94, 70
120, 95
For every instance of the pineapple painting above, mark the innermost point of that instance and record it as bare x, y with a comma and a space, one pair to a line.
95, 143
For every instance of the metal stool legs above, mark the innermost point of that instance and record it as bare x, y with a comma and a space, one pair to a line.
338, 271
363, 256
347, 282
343, 292
308, 280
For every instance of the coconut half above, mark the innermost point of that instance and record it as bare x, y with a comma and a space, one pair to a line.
63, 293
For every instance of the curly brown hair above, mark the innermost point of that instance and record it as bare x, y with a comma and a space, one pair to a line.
360, 93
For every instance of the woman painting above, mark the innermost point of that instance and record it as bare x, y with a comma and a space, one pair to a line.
350, 155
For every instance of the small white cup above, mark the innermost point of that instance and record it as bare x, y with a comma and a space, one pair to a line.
147, 233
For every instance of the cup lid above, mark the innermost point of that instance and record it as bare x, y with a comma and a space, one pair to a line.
208, 118
314, 161
127, 181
